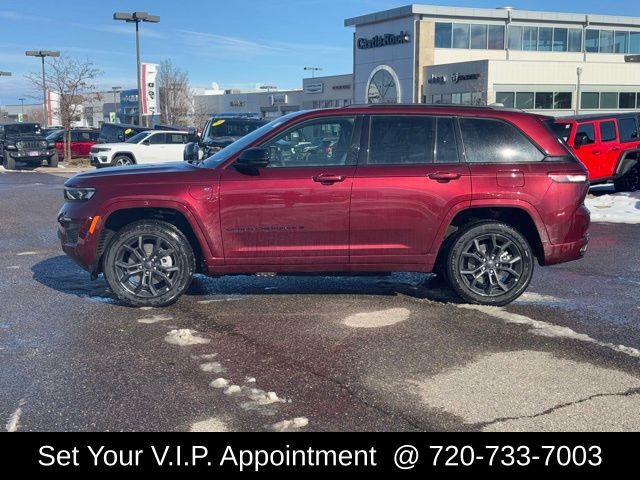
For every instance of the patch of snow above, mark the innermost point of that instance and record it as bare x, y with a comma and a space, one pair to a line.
233, 390
205, 356
545, 329
212, 424
146, 308
155, 319
532, 297
21, 254
14, 420
215, 367
381, 318
219, 383
249, 380
13, 267
614, 208
290, 425
226, 299
109, 300
184, 337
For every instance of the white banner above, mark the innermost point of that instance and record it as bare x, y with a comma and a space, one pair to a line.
149, 88
53, 109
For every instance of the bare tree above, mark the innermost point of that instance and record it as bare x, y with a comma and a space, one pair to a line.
35, 115
199, 113
175, 94
73, 80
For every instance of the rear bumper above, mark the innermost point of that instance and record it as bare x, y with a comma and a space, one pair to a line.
565, 252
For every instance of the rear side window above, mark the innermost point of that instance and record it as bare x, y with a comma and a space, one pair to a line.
494, 141
157, 138
175, 138
587, 130
608, 131
401, 140
628, 129
446, 147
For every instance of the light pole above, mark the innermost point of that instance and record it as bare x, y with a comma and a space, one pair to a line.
578, 89
268, 88
21, 106
137, 17
42, 54
115, 102
313, 70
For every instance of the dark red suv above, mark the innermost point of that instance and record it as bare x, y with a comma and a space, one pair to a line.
475, 194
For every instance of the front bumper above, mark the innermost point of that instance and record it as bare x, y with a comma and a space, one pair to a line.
31, 155
100, 159
76, 238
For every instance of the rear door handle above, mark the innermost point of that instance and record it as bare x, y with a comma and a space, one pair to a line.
444, 177
328, 179
615, 149
595, 152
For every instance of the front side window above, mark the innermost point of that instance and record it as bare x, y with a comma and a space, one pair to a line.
608, 131
495, 141
407, 140
628, 129
315, 143
588, 131
157, 139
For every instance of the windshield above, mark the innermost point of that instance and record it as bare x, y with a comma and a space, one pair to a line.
22, 129
138, 137
55, 135
562, 130
231, 128
239, 145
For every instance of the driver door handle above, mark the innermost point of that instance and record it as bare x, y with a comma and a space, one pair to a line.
328, 179
444, 177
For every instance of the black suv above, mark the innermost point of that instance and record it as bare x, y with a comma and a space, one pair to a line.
218, 133
118, 132
25, 142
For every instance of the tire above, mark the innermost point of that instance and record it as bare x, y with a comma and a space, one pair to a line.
53, 160
149, 280
8, 162
630, 181
122, 161
474, 269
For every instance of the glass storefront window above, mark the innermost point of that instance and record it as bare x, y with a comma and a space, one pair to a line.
545, 39
460, 35
560, 39
562, 100
506, 98
466, 98
606, 41
575, 40
590, 100
634, 42
621, 41
524, 100
609, 100
443, 35
436, 99
627, 100
530, 38
479, 37
592, 41
496, 37
456, 98
515, 38
544, 100
446, 98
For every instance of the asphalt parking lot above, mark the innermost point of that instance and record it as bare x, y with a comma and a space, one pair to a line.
313, 353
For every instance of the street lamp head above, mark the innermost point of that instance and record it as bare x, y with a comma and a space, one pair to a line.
42, 53
127, 17
136, 17
5, 74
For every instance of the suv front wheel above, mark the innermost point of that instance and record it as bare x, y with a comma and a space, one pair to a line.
630, 181
149, 263
489, 263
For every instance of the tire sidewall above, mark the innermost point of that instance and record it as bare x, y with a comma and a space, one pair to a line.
171, 235
453, 257
117, 157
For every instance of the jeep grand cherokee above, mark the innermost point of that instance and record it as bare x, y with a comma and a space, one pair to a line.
474, 194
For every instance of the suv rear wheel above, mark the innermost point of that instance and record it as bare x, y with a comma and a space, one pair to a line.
149, 263
489, 263
630, 181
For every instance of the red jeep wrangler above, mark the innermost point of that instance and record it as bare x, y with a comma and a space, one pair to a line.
608, 145
476, 194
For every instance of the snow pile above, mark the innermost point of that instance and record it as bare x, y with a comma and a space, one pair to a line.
212, 424
155, 319
183, 337
382, 318
290, 425
615, 207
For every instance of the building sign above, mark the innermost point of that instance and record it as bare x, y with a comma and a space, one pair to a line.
149, 89
383, 40
341, 87
278, 99
455, 78
237, 103
314, 87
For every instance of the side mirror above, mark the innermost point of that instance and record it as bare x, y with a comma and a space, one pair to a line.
146, 142
252, 158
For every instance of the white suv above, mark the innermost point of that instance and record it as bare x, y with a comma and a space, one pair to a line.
151, 146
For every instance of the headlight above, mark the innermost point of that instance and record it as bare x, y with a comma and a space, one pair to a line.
78, 194
10, 147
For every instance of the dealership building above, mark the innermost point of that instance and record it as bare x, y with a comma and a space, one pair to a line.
552, 63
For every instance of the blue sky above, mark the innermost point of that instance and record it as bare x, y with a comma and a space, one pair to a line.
236, 43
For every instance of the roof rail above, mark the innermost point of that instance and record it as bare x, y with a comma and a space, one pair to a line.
425, 105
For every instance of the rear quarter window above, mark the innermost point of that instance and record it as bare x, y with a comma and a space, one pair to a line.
628, 129
495, 141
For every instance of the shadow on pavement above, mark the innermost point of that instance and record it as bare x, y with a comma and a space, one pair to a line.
60, 273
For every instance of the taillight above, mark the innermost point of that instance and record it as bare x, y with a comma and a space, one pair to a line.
568, 177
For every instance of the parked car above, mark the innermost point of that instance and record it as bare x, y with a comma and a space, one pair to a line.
608, 145
81, 141
475, 194
218, 133
149, 146
118, 132
49, 130
24, 142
